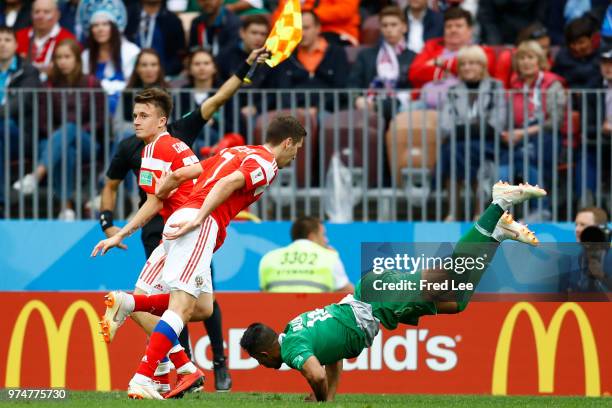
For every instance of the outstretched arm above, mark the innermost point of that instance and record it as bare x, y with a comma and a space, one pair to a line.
148, 210
230, 87
333, 372
218, 194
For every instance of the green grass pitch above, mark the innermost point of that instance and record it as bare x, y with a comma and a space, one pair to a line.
248, 400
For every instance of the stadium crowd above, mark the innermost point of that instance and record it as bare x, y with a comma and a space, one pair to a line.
492, 68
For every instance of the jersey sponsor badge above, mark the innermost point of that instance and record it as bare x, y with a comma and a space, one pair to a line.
257, 176
146, 178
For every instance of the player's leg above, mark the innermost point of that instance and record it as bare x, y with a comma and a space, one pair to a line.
483, 239
187, 273
223, 380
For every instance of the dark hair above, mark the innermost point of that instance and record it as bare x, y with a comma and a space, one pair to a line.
258, 19
533, 31
135, 80
192, 55
304, 226
316, 18
284, 127
56, 77
8, 30
94, 48
578, 28
157, 97
392, 11
599, 215
456, 13
257, 338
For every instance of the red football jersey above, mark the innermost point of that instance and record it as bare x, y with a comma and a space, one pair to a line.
259, 167
164, 154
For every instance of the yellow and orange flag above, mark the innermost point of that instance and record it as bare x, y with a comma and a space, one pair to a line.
286, 33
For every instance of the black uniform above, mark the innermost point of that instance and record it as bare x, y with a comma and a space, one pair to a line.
128, 157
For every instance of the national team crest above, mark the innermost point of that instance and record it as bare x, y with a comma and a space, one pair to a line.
199, 281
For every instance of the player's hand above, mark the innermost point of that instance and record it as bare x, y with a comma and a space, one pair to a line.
112, 231
310, 398
159, 182
182, 228
259, 56
106, 244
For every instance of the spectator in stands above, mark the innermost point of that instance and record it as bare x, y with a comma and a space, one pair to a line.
253, 34
308, 264
16, 14
148, 72
534, 32
69, 131
109, 56
578, 62
472, 114
501, 20
151, 25
315, 64
202, 78
339, 19
539, 93
559, 13
423, 24
216, 28
15, 74
37, 43
245, 7
386, 65
438, 60
591, 271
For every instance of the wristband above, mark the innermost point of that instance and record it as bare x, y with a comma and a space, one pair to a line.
243, 70
106, 219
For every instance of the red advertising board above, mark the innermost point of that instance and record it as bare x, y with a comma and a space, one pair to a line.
52, 340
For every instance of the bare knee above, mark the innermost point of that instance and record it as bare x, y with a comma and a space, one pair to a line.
202, 311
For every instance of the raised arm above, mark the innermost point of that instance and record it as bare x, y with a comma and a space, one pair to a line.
168, 182
231, 86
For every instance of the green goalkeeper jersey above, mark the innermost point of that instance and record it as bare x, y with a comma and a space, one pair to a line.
330, 334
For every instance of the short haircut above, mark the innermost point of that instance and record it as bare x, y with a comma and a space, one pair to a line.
157, 97
578, 28
473, 52
456, 13
316, 18
304, 226
530, 47
392, 11
7, 30
284, 127
599, 215
257, 338
258, 19
533, 31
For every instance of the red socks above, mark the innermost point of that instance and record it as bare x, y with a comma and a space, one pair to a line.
154, 304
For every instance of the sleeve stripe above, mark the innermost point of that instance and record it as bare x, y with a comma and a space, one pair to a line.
268, 167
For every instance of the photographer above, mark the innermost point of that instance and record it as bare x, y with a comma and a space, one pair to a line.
592, 270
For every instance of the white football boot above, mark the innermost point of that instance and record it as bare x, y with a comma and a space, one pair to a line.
507, 228
118, 308
515, 194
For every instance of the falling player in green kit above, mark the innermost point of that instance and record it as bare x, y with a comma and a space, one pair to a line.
316, 342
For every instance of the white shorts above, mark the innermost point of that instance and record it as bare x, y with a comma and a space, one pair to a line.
188, 258
149, 279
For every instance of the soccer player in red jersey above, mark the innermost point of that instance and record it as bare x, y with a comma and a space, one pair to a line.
232, 180
162, 154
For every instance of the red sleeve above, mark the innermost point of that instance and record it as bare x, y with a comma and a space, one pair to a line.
420, 72
22, 42
254, 175
152, 165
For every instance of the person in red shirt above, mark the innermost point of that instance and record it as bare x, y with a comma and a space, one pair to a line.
232, 180
438, 59
36, 43
163, 153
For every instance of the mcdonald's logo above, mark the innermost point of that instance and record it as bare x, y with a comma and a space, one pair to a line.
57, 341
546, 348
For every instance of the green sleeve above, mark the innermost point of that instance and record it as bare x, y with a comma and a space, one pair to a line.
295, 350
